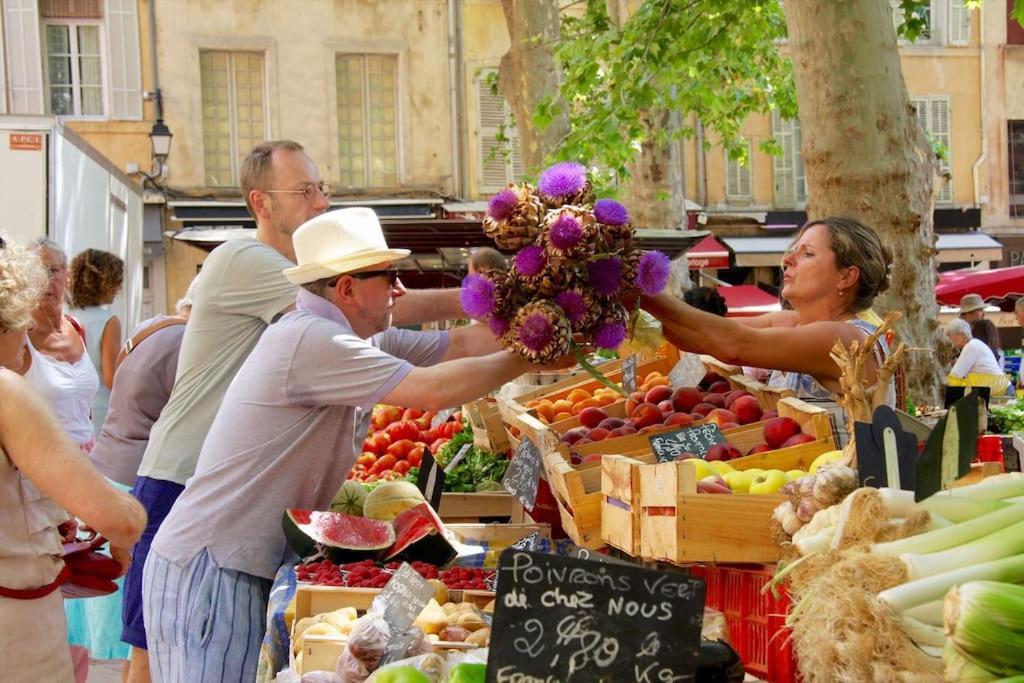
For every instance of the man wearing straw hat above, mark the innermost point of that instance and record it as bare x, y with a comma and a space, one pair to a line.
286, 436
972, 308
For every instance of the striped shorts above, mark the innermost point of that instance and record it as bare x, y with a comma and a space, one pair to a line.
203, 623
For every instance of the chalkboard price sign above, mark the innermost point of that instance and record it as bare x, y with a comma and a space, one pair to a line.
403, 598
698, 440
566, 619
629, 374
523, 474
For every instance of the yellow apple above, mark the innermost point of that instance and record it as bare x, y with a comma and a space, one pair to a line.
722, 467
769, 482
739, 480
796, 474
826, 458
703, 467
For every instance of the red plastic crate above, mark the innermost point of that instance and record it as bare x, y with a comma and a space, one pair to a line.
757, 622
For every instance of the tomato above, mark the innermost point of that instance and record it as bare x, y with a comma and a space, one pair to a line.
390, 475
412, 413
415, 457
366, 459
400, 449
406, 429
402, 466
384, 463
385, 415
436, 444
351, 474
372, 478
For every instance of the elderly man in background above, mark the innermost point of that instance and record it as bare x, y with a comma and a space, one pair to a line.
972, 308
286, 436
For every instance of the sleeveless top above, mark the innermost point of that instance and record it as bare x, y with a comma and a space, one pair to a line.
68, 389
94, 319
30, 545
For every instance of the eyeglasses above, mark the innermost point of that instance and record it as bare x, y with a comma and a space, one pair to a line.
390, 273
309, 191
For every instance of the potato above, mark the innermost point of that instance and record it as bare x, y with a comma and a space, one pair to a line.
453, 634
440, 591
471, 621
480, 638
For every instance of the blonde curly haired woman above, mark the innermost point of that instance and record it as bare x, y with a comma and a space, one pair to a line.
43, 480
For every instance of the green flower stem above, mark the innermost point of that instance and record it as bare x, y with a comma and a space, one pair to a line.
594, 372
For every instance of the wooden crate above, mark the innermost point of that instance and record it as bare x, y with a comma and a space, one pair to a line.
472, 507
813, 420
726, 370
617, 409
612, 370
620, 492
489, 431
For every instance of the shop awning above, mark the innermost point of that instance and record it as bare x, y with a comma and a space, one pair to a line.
998, 283
967, 247
747, 300
708, 253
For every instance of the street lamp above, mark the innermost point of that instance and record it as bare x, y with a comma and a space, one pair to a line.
160, 137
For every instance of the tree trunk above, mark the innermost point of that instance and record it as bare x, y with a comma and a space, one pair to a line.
528, 73
865, 155
654, 192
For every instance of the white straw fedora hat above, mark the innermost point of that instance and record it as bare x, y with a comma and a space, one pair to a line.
339, 242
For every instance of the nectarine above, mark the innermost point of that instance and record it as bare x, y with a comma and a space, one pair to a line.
645, 415
592, 416
658, 394
685, 398
747, 409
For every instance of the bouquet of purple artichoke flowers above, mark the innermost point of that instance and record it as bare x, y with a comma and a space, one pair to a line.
574, 262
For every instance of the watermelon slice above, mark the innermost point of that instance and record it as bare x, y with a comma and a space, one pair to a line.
420, 536
344, 537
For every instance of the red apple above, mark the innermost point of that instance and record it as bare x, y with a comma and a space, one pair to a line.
797, 439
747, 409
685, 398
592, 416
678, 420
778, 429
658, 394
721, 416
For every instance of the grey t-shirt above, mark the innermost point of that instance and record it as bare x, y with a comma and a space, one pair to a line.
142, 385
239, 291
287, 434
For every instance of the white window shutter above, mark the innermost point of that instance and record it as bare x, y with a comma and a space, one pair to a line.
24, 57
125, 84
959, 23
940, 130
783, 165
497, 165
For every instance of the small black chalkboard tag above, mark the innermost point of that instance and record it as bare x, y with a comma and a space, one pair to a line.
629, 374
430, 481
523, 474
950, 448
698, 440
403, 598
565, 619
885, 453
442, 417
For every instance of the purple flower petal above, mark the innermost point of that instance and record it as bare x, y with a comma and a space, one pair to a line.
652, 272
566, 232
502, 204
477, 295
609, 335
572, 304
529, 261
499, 326
610, 212
563, 179
536, 332
605, 275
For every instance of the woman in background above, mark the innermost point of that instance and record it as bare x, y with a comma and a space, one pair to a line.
95, 279
986, 331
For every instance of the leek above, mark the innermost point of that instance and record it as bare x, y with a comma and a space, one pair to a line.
993, 488
985, 622
1006, 542
954, 536
959, 668
922, 633
957, 509
929, 613
922, 591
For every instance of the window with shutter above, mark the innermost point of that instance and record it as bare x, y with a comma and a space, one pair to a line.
234, 111
959, 23
500, 162
934, 117
790, 181
737, 177
74, 67
367, 103
24, 57
121, 23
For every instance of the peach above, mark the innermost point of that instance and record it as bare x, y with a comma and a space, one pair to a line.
624, 430
747, 409
759, 448
710, 378
721, 416
685, 398
574, 435
678, 420
733, 396
797, 439
778, 429
646, 415
592, 416
598, 434
650, 428
719, 387
666, 407
611, 423
703, 409
722, 451
714, 398
729, 425
658, 394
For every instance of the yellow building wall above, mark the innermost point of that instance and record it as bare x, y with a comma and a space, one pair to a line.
299, 41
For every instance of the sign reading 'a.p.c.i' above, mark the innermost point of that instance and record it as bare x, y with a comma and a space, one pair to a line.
565, 619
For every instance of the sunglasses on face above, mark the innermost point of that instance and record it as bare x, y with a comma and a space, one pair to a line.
391, 274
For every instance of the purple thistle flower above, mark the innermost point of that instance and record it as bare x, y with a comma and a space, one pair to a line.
605, 275
652, 272
530, 261
566, 232
499, 326
502, 204
610, 212
563, 179
609, 335
536, 332
571, 302
477, 295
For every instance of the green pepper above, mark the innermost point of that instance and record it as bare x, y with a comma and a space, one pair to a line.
468, 673
402, 674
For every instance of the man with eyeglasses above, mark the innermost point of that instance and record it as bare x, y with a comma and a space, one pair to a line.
239, 292
287, 435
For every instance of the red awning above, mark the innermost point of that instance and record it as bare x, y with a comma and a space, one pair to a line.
998, 283
708, 253
747, 300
